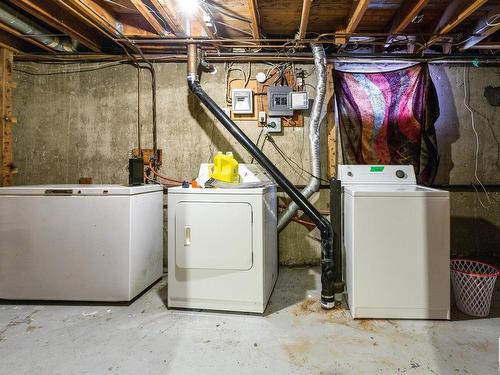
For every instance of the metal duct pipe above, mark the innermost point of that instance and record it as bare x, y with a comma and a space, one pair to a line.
314, 135
327, 271
29, 28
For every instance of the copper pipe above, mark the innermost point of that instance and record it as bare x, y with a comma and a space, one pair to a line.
192, 60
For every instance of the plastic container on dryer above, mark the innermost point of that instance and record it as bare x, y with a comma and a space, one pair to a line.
225, 168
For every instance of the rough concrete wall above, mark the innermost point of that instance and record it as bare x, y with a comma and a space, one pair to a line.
84, 124
475, 230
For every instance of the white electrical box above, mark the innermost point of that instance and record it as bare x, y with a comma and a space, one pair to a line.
298, 100
242, 101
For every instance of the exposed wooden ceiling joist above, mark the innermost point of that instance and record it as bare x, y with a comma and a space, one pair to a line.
62, 21
28, 39
254, 18
304, 19
199, 18
104, 20
454, 15
357, 13
486, 46
486, 26
92, 12
171, 16
12, 43
405, 14
149, 17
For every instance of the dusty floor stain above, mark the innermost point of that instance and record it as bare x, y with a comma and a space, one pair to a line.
16, 321
297, 351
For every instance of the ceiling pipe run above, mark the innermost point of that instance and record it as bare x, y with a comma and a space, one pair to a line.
327, 259
314, 135
28, 28
266, 57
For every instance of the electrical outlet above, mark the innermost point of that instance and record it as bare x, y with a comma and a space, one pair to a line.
274, 125
262, 117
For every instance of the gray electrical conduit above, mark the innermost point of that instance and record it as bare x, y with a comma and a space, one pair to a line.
27, 27
314, 135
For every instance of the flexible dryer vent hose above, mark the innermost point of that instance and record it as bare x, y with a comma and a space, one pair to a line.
314, 135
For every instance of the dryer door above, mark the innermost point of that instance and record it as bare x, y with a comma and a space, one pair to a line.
212, 235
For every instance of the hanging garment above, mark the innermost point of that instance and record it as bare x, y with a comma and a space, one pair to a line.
388, 118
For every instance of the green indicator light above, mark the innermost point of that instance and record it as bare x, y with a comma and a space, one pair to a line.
377, 168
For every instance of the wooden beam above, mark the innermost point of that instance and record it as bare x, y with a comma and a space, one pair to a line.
28, 39
454, 15
304, 19
6, 118
149, 17
93, 13
405, 14
487, 45
62, 21
482, 29
199, 18
12, 43
330, 123
171, 16
104, 20
254, 18
357, 14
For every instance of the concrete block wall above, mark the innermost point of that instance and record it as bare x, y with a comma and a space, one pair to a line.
84, 124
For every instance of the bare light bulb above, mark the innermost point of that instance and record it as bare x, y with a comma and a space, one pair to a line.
188, 7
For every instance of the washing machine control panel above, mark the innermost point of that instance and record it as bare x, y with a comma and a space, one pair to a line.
377, 174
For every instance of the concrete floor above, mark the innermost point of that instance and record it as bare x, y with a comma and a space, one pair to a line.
294, 337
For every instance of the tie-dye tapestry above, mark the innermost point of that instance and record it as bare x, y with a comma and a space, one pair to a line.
388, 118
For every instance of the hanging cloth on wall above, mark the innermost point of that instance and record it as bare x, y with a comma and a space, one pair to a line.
388, 118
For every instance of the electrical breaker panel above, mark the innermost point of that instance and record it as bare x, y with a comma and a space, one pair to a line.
277, 101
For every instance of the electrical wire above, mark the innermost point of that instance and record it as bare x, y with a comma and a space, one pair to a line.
162, 176
88, 69
473, 125
288, 158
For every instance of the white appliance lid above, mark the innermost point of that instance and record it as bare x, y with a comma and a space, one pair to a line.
393, 190
246, 191
55, 190
377, 174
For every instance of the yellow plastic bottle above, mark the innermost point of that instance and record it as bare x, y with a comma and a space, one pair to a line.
225, 168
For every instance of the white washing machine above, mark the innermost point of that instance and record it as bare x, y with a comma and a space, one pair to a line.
222, 244
396, 237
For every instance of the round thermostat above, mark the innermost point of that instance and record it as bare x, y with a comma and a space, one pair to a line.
260, 77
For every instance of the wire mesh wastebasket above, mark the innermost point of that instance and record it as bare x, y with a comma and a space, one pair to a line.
473, 284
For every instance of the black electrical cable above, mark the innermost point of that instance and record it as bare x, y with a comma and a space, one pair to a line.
285, 156
67, 72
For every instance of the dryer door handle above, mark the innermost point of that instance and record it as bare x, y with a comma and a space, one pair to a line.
187, 236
